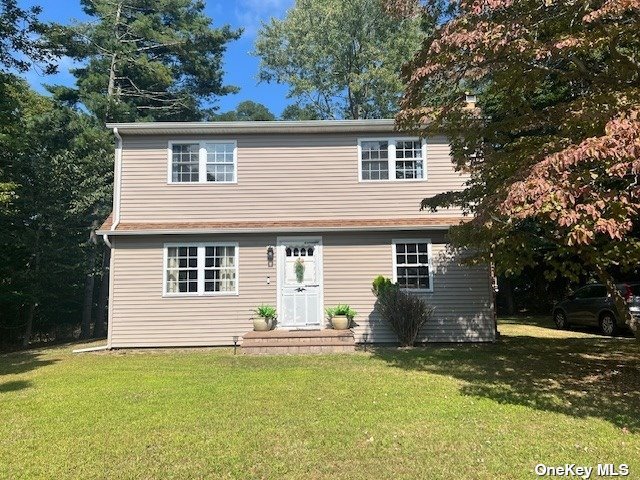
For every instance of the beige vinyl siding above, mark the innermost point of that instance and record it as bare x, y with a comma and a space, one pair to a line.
279, 177
142, 317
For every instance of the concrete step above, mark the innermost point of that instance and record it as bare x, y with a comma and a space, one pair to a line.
297, 350
298, 341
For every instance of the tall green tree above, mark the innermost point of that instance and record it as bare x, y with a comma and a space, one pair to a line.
553, 152
147, 59
59, 160
24, 42
340, 58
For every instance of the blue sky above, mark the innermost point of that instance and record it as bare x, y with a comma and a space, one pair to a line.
240, 67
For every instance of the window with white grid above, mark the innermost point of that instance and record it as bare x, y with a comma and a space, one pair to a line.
185, 162
374, 156
409, 161
412, 264
220, 162
182, 269
201, 269
203, 162
391, 159
220, 269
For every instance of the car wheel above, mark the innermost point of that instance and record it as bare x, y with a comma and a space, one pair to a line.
560, 319
608, 324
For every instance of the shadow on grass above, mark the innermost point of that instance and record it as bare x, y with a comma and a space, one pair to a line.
547, 322
581, 377
21, 362
14, 386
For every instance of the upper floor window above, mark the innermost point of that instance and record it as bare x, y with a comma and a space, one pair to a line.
412, 264
392, 159
202, 162
201, 269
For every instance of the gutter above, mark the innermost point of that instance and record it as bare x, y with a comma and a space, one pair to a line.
278, 230
224, 128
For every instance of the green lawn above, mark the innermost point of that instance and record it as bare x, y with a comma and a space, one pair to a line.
467, 411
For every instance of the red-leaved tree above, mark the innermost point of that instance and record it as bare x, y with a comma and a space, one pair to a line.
553, 149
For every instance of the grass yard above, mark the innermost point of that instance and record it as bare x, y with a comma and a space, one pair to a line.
467, 411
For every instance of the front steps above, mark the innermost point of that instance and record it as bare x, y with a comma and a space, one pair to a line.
298, 341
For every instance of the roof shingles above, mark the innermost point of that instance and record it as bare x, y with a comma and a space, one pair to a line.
280, 225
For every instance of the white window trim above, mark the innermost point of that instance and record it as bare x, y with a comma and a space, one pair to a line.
202, 159
201, 257
394, 242
392, 159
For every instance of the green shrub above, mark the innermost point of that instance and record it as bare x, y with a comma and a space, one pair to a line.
341, 310
267, 312
406, 313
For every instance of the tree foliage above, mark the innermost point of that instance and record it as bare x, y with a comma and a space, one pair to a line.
147, 60
24, 39
59, 161
246, 111
297, 112
340, 58
553, 153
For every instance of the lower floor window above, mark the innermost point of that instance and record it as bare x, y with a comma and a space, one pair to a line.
199, 269
412, 264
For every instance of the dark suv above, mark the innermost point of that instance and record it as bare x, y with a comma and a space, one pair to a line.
591, 305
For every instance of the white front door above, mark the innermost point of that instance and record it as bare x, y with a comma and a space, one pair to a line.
300, 282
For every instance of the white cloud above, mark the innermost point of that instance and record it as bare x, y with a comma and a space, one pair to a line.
251, 13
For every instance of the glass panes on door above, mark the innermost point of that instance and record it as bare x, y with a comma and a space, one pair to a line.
299, 255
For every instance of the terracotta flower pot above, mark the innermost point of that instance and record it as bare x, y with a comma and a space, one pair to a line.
340, 322
261, 324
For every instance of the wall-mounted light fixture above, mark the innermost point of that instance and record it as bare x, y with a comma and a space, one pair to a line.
270, 256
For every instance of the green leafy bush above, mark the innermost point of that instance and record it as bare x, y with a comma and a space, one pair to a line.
267, 312
341, 310
405, 312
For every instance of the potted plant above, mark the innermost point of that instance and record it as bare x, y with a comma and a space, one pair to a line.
266, 319
341, 316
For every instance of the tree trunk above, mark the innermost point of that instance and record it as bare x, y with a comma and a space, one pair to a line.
507, 288
29, 325
98, 329
89, 282
618, 300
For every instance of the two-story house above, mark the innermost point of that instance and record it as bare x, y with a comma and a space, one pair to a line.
209, 220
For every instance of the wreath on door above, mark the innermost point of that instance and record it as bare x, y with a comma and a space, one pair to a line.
299, 268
